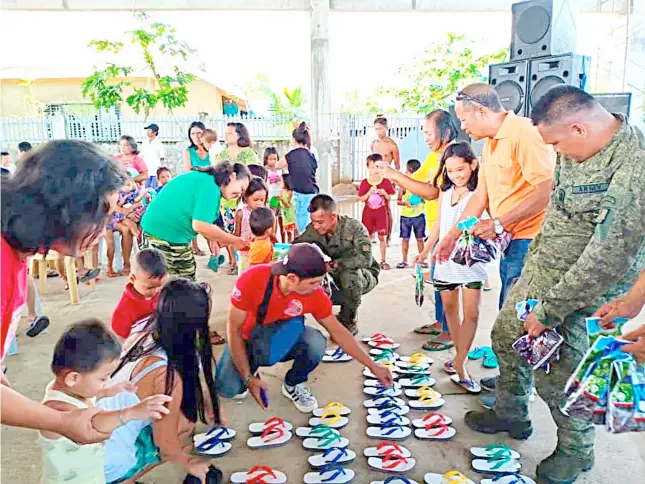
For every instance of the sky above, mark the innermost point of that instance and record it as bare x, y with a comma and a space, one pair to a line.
365, 48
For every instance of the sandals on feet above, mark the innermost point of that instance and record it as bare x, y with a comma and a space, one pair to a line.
434, 345
385, 266
428, 329
216, 338
402, 265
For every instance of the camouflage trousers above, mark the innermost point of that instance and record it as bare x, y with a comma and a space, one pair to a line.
179, 257
352, 285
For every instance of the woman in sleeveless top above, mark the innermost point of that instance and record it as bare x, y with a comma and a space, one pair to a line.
163, 359
238, 146
196, 155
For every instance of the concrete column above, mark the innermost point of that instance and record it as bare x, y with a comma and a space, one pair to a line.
345, 171
320, 91
634, 72
59, 126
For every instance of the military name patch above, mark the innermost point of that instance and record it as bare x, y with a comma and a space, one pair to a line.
593, 188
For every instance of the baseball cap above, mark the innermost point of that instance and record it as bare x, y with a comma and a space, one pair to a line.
304, 260
153, 127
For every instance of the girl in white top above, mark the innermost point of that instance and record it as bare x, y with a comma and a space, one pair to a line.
458, 172
84, 357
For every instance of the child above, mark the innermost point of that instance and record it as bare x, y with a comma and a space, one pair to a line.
260, 172
262, 222
287, 210
209, 140
274, 182
458, 170
376, 191
412, 217
139, 299
254, 197
163, 177
84, 358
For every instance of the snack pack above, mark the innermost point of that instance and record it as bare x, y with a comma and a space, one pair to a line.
280, 250
594, 329
471, 250
539, 352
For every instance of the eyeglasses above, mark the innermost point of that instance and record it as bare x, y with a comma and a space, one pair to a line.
462, 96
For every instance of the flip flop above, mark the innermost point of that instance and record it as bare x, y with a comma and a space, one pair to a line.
396, 480
428, 330
377, 352
384, 356
387, 448
490, 360
333, 421
212, 447
381, 391
417, 357
338, 407
376, 383
219, 432
478, 352
495, 466
37, 326
336, 356
387, 419
404, 365
442, 432
448, 368
392, 432
513, 478
432, 420
451, 477
385, 266
394, 409
419, 392
89, 275
330, 474
274, 422
471, 386
402, 265
383, 402
393, 369
215, 338
392, 463
324, 443
259, 474
384, 344
414, 370
433, 345
317, 431
428, 400
417, 381
496, 451
271, 437
333, 455
377, 337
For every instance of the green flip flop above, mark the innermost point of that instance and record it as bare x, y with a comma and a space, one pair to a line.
433, 345
490, 360
478, 352
428, 330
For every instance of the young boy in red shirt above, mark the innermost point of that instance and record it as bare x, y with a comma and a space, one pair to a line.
376, 191
139, 299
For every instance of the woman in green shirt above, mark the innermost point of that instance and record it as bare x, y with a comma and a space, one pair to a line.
196, 156
238, 146
188, 205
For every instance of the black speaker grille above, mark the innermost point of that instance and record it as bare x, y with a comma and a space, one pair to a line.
511, 94
542, 86
533, 24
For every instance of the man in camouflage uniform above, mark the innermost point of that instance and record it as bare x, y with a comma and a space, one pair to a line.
589, 251
346, 241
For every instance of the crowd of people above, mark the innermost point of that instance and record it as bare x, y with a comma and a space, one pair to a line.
565, 190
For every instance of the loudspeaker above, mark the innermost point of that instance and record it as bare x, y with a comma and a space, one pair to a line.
618, 102
570, 69
543, 27
509, 80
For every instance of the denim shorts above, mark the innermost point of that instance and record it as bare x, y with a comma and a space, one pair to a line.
441, 286
416, 224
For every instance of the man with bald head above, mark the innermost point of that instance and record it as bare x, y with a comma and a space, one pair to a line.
590, 250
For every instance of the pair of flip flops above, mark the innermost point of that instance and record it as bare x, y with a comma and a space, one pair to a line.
434, 426
214, 443
259, 475
272, 433
388, 456
451, 477
336, 356
330, 417
330, 474
321, 438
394, 370
415, 359
486, 354
381, 341
384, 356
425, 398
495, 459
417, 381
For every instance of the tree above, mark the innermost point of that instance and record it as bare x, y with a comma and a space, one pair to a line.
289, 105
435, 76
154, 41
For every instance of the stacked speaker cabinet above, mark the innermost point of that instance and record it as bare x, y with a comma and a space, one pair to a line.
509, 80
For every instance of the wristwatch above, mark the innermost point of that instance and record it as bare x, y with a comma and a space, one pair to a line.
246, 381
499, 228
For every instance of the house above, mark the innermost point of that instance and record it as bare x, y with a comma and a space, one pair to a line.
32, 91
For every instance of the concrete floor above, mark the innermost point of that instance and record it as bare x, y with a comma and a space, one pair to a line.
389, 308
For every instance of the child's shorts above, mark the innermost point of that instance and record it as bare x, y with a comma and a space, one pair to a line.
376, 220
413, 224
441, 286
290, 227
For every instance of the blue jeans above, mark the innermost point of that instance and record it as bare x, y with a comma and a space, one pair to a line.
303, 217
275, 343
510, 266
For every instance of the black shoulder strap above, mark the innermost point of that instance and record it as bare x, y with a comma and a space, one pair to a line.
264, 305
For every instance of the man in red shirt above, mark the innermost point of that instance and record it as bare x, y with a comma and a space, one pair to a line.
266, 325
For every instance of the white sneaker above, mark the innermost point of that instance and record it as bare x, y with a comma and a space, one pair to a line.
301, 397
241, 396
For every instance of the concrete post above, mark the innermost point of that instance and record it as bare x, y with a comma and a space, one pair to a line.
345, 172
320, 91
634, 72
59, 126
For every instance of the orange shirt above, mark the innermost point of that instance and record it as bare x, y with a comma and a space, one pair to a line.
513, 162
260, 251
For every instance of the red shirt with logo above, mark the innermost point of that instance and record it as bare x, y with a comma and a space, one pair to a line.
133, 312
14, 293
248, 294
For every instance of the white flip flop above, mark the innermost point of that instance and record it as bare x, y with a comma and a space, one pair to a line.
393, 369
212, 447
408, 364
387, 448
274, 438
395, 480
494, 450
336, 407
426, 404
417, 381
413, 370
384, 344
471, 386
382, 391
376, 337
392, 355
259, 427
376, 383
509, 479
432, 420
333, 475
336, 356
396, 410
395, 432
316, 432
333, 455
493, 466
419, 392
388, 419
420, 357
266, 474
219, 432
453, 477
325, 442
443, 432
333, 421
384, 401
392, 463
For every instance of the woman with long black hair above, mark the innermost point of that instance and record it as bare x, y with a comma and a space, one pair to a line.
196, 155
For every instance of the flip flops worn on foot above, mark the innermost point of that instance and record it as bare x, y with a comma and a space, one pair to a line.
434, 345
471, 386
216, 338
428, 329
402, 265
385, 266
449, 368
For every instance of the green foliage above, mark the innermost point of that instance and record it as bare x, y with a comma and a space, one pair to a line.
435, 76
289, 105
355, 102
154, 41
